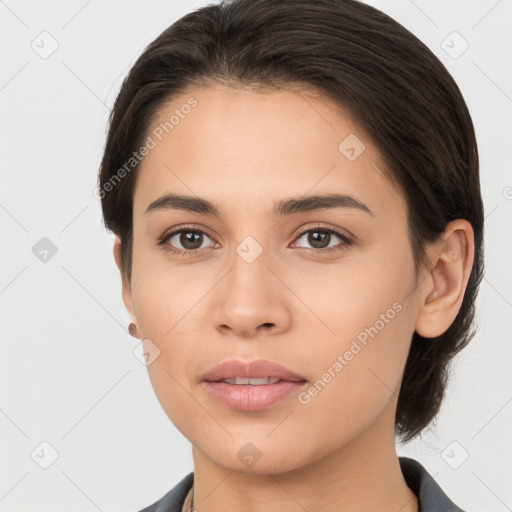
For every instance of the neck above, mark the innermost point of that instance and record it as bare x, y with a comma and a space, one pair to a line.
362, 475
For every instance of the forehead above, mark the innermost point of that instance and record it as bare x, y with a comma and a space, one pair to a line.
228, 144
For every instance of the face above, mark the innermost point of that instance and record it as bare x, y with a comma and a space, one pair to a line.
323, 288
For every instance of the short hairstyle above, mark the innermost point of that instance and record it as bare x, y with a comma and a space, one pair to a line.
383, 76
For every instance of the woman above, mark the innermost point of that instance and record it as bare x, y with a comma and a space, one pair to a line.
294, 190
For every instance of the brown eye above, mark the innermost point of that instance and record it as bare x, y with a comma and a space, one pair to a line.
185, 241
190, 239
320, 239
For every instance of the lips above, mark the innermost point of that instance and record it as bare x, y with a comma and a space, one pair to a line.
251, 386
257, 369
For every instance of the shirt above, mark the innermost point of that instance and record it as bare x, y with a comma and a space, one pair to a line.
431, 497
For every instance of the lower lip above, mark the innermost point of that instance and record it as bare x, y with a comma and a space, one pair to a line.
252, 398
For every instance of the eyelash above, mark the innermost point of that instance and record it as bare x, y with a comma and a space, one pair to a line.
345, 240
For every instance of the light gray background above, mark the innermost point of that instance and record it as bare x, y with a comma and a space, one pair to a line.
68, 373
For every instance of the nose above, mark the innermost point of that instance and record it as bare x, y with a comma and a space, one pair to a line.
251, 300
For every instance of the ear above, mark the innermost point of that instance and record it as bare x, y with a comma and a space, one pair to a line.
126, 286
442, 289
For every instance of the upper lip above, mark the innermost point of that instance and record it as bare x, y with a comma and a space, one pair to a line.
259, 368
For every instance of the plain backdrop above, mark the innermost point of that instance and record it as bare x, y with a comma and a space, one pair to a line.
74, 397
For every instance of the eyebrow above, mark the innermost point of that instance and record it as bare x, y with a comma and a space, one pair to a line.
280, 208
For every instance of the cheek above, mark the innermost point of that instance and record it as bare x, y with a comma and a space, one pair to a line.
166, 315
359, 366
163, 296
167, 318
367, 356
356, 382
172, 391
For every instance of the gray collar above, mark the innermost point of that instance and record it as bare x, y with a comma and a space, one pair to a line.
431, 497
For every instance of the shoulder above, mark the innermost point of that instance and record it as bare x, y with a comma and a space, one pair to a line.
173, 500
431, 497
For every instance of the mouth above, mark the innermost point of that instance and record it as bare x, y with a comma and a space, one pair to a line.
253, 397
251, 386
252, 381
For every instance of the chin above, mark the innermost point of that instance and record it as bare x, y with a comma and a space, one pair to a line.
257, 455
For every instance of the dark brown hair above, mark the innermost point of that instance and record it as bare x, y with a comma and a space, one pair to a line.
388, 81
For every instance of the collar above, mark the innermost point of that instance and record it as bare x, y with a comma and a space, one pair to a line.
431, 497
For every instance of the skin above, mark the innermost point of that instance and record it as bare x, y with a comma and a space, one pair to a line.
294, 305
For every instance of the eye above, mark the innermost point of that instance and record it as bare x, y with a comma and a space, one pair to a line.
320, 238
190, 238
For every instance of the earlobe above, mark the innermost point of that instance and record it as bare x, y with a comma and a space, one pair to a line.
443, 290
126, 288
